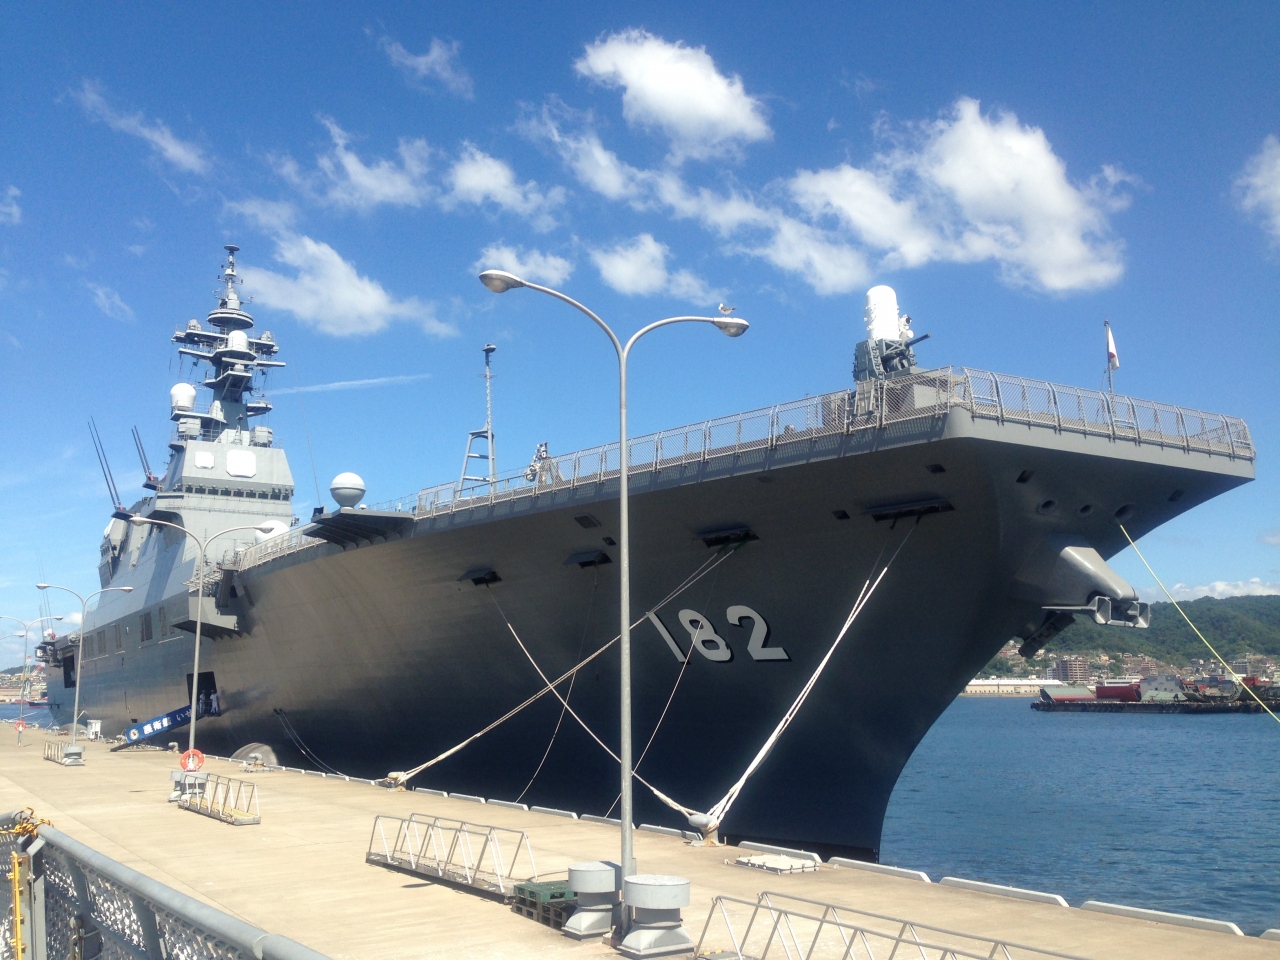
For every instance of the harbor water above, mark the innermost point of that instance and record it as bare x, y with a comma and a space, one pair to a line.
1169, 812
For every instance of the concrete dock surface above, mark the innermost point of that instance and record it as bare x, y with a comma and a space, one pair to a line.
301, 872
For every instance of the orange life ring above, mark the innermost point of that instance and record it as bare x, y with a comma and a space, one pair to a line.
19, 725
192, 761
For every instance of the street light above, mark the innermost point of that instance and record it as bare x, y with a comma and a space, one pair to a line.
26, 628
84, 615
499, 281
204, 546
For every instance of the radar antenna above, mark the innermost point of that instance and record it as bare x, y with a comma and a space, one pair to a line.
490, 454
98, 448
152, 482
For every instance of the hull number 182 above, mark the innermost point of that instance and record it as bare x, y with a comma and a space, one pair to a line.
704, 639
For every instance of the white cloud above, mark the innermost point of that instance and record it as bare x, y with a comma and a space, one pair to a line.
678, 90
342, 179
109, 302
10, 212
1258, 186
639, 267
1270, 537
328, 293
182, 154
971, 188
273, 216
479, 178
526, 264
352, 384
440, 62
966, 188
1221, 589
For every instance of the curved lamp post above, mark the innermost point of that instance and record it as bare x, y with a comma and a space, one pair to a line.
26, 629
204, 546
84, 615
499, 281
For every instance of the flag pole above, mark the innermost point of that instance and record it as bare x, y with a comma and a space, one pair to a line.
1111, 365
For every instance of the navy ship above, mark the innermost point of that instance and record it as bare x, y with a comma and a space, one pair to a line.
369, 639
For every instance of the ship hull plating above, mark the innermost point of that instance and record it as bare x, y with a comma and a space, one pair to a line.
380, 657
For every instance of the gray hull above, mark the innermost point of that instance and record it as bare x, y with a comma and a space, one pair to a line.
381, 657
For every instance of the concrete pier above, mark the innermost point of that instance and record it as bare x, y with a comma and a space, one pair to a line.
301, 871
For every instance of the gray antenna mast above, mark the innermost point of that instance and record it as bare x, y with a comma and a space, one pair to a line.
490, 453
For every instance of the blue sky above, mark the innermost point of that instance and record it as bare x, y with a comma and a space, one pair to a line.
1017, 172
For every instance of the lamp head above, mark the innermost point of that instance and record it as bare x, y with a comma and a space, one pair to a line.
42, 586
732, 326
499, 281
265, 528
125, 589
59, 617
137, 521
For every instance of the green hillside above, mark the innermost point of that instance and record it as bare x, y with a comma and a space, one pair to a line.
1235, 626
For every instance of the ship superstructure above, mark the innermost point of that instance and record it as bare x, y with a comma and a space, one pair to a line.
371, 640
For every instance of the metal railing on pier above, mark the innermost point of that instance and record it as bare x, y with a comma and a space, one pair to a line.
474, 855
795, 928
74, 902
222, 798
817, 421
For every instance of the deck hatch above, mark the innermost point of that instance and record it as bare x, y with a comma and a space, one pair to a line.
912, 508
589, 558
724, 535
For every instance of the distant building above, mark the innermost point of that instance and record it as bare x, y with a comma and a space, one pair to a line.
1071, 670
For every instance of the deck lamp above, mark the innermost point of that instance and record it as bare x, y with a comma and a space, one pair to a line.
84, 615
500, 281
138, 521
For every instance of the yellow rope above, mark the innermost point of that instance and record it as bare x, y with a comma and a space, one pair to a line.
27, 825
1239, 681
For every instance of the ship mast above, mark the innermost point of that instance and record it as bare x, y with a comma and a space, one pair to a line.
490, 454
234, 357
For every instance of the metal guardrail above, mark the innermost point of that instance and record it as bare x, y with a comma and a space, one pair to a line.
222, 798
78, 903
64, 753
875, 405
473, 855
796, 928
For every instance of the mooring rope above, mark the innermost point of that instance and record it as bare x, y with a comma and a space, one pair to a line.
1239, 681
296, 737
711, 820
582, 642
717, 558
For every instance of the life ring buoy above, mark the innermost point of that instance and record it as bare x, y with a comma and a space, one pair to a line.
19, 725
192, 761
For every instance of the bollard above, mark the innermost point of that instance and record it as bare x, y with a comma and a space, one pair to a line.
596, 883
656, 930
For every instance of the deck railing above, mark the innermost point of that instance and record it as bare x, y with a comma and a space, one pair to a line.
875, 405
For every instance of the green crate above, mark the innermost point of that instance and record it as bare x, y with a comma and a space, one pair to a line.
550, 891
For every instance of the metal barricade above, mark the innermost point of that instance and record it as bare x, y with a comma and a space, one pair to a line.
222, 798
795, 928
472, 855
78, 903
66, 754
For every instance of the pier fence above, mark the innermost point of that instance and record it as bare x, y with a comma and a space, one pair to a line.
74, 902
474, 855
795, 928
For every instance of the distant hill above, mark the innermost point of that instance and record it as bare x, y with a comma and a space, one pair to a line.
1235, 626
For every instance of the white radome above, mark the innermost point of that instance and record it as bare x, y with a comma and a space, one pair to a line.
881, 316
182, 396
275, 528
347, 489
